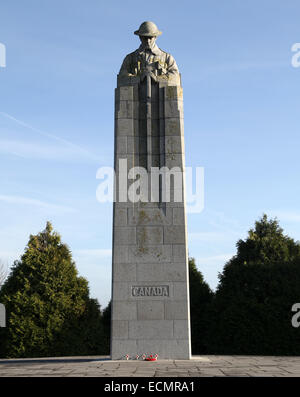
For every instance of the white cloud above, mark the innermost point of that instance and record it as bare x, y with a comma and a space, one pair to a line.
242, 67
219, 259
221, 220
285, 216
205, 236
33, 150
210, 237
33, 202
64, 150
8, 257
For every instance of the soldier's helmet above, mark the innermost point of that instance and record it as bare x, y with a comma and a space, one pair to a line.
148, 29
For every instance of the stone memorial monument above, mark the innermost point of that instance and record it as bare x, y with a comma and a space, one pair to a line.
150, 293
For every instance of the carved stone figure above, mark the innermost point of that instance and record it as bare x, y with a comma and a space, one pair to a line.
148, 58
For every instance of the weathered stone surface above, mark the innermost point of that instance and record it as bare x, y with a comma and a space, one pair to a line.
166, 347
151, 310
149, 235
121, 347
124, 93
125, 272
176, 310
151, 329
178, 216
120, 255
150, 217
139, 145
159, 254
174, 160
120, 291
176, 272
151, 272
180, 291
121, 145
173, 108
125, 235
120, 216
161, 271
124, 310
174, 144
181, 330
125, 110
125, 127
174, 234
173, 127
173, 92
120, 329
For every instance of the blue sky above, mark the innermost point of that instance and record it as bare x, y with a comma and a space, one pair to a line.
241, 103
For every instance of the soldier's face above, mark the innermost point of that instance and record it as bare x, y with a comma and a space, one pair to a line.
147, 42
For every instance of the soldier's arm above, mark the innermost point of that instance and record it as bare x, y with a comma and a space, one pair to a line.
172, 66
126, 68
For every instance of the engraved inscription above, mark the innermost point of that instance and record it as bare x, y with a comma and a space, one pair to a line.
149, 290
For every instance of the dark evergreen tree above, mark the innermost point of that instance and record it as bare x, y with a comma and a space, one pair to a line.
106, 315
49, 312
258, 286
200, 302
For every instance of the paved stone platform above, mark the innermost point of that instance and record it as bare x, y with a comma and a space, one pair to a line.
204, 366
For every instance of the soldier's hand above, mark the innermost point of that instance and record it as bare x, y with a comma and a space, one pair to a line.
147, 73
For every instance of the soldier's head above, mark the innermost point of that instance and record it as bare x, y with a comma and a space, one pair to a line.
148, 42
148, 32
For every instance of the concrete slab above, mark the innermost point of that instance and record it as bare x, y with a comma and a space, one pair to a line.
198, 366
